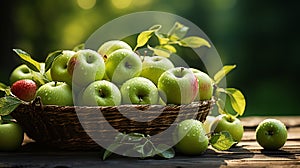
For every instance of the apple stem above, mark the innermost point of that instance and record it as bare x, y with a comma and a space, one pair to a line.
271, 133
182, 69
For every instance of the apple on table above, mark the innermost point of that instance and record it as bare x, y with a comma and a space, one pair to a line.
271, 134
233, 125
11, 135
190, 137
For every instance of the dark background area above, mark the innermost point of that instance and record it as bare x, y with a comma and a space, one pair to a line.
260, 37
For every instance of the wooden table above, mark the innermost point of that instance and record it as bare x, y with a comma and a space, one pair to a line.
246, 154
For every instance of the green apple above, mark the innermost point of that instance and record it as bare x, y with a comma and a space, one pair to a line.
86, 66
205, 85
229, 123
139, 90
123, 64
110, 46
154, 66
271, 134
55, 93
190, 137
24, 72
11, 136
20, 72
24, 89
59, 67
101, 93
178, 85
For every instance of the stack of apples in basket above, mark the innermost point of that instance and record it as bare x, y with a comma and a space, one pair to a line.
115, 74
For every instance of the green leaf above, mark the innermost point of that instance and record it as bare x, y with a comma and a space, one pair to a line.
221, 106
50, 58
223, 72
168, 47
31, 63
194, 42
178, 31
165, 151
237, 100
5, 88
79, 47
110, 149
144, 36
160, 51
161, 38
8, 104
222, 141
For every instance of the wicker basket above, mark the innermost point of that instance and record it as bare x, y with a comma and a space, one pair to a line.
70, 127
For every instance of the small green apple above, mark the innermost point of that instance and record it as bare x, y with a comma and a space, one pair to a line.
205, 85
11, 136
154, 66
139, 90
86, 66
229, 123
123, 64
55, 93
101, 93
271, 134
190, 137
179, 85
20, 72
59, 67
110, 46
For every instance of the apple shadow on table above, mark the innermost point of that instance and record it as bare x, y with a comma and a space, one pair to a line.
276, 153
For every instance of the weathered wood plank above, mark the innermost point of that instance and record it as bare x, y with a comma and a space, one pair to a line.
246, 154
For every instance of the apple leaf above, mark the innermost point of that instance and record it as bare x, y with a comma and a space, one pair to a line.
50, 58
109, 151
5, 88
144, 36
165, 151
160, 51
178, 31
221, 106
237, 100
8, 104
31, 63
222, 141
139, 145
194, 42
79, 47
161, 38
223, 72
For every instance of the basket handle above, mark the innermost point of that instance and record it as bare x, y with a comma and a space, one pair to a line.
37, 103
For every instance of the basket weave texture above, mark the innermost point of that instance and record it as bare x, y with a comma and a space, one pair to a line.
70, 127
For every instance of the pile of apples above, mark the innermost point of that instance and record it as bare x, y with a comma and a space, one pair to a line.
111, 76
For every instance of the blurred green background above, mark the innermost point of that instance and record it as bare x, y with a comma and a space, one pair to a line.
260, 37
